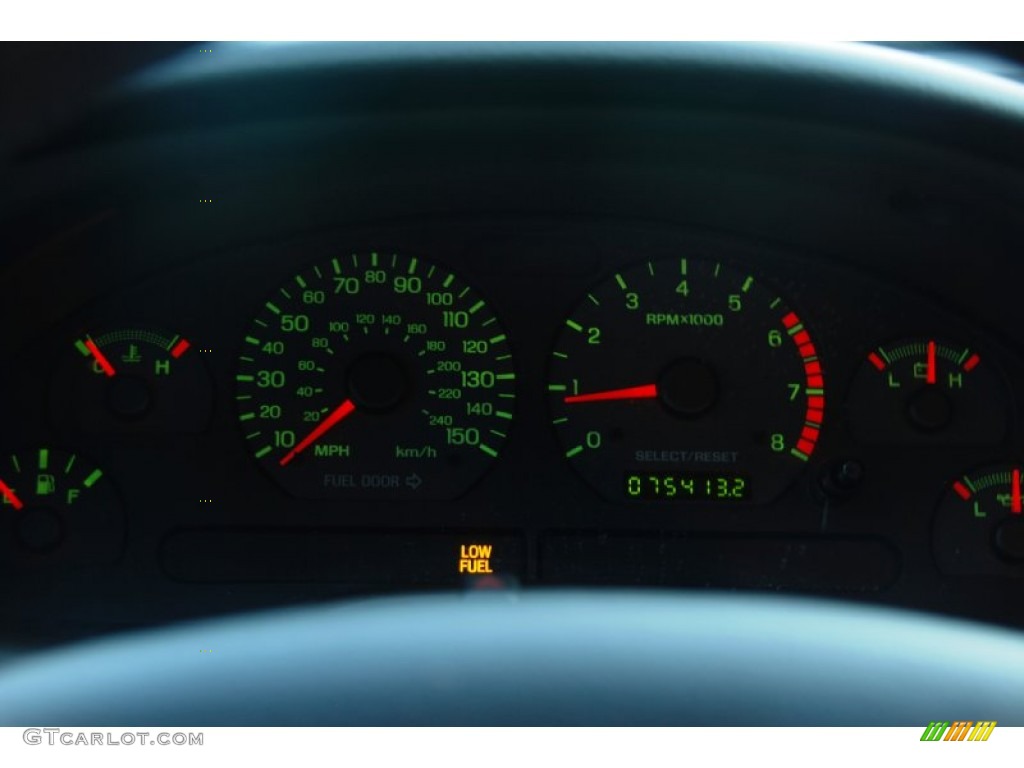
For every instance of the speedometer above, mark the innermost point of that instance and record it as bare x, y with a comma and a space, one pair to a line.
375, 376
686, 380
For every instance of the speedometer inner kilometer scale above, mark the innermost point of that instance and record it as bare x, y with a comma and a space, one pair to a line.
375, 376
686, 380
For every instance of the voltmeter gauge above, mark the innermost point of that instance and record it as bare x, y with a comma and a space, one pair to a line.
57, 505
928, 391
134, 380
375, 376
979, 525
686, 381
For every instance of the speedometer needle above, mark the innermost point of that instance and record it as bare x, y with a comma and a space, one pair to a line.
337, 415
9, 496
646, 391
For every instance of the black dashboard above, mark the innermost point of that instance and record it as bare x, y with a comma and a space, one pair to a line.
278, 335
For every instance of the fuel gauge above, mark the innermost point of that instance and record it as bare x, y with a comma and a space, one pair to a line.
56, 505
979, 525
928, 391
134, 380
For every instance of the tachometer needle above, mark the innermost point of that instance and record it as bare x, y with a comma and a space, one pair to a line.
337, 415
100, 357
1015, 505
10, 496
931, 363
646, 391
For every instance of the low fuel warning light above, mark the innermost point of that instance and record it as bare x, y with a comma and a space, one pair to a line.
921, 391
133, 379
979, 525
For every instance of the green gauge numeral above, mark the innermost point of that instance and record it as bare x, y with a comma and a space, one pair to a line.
403, 284
294, 323
593, 335
270, 379
778, 442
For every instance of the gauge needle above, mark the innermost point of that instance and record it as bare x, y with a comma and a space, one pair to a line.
100, 357
337, 415
1015, 506
10, 496
931, 363
629, 393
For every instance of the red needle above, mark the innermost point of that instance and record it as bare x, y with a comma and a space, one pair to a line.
931, 363
100, 357
1015, 493
337, 415
630, 393
10, 496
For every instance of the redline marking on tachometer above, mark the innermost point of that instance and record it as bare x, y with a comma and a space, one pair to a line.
644, 391
339, 413
972, 362
930, 376
180, 348
1015, 506
100, 358
8, 494
876, 361
961, 490
815, 385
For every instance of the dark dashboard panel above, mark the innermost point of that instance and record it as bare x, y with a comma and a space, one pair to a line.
899, 256
206, 529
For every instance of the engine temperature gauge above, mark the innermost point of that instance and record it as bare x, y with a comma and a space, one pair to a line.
979, 526
922, 391
134, 380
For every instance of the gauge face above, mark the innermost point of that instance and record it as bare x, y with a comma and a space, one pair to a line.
59, 506
134, 380
686, 381
979, 525
375, 376
927, 391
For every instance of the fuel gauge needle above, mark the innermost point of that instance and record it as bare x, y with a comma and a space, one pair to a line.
9, 496
100, 358
643, 392
931, 377
337, 415
1015, 504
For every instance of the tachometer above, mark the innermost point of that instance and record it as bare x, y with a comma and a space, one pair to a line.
686, 380
375, 376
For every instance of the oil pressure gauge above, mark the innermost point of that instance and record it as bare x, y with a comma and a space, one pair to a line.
979, 525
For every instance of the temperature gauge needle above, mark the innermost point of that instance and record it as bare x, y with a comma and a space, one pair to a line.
931, 363
1015, 505
10, 496
646, 391
101, 359
337, 415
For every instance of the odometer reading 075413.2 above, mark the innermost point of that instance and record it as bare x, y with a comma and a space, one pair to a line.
686, 380
375, 376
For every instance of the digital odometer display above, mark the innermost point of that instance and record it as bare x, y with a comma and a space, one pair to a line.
375, 376
685, 486
686, 369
